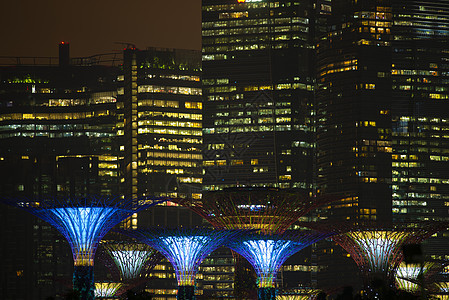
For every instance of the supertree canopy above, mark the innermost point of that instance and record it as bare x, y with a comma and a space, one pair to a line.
298, 294
185, 249
377, 249
410, 277
107, 290
267, 253
84, 222
441, 290
269, 210
407, 276
131, 258
420, 277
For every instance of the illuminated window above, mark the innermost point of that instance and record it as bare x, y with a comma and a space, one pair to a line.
235, 162
194, 105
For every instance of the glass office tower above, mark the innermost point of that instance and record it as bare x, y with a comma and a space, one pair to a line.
258, 91
382, 115
162, 121
258, 88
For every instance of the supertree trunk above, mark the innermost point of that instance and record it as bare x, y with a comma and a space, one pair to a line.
83, 282
245, 279
186, 292
266, 294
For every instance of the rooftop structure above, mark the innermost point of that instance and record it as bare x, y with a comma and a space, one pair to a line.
83, 222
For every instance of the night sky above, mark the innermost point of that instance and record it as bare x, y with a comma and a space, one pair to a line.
35, 28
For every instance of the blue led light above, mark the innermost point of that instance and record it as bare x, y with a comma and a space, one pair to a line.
184, 248
267, 256
185, 253
267, 253
82, 227
84, 222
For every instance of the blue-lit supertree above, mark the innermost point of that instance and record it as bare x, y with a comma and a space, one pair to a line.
269, 210
185, 249
267, 253
84, 222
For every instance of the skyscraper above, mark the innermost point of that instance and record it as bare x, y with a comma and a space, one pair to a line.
161, 122
382, 117
258, 87
258, 91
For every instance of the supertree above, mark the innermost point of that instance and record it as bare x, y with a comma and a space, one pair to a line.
407, 276
107, 290
267, 253
185, 249
84, 222
441, 290
376, 248
418, 277
268, 209
131, 258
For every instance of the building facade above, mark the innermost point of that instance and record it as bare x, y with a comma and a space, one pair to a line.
258, 91
258, 87
162, 122
382, 116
